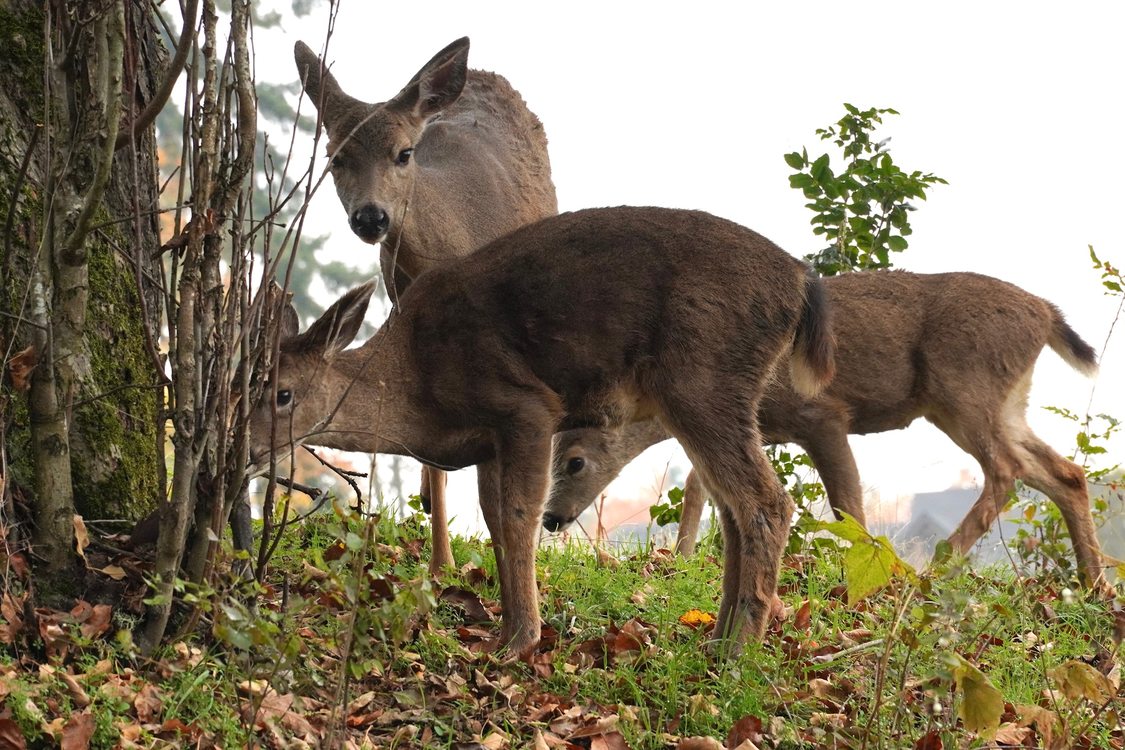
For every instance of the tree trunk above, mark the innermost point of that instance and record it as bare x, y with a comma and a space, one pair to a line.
79, 279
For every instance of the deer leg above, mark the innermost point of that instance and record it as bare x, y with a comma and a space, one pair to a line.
1065, 483
524, 462
439, 520
755, 509
690, 515
488, 490
833, 458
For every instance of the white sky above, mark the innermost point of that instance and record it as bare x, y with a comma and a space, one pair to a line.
1018, 105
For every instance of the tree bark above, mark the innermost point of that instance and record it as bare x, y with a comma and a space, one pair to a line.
78, 279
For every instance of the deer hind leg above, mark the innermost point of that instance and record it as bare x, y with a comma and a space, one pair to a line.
488, 492
433, 488
725, 448
834, 461
1065, 483
690, 515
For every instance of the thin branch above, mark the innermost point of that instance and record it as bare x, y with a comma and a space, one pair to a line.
156, 104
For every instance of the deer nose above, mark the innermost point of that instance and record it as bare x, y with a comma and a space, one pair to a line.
552, 522
370, 223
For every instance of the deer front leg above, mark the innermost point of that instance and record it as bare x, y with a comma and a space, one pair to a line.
488, 491
433, 488
524, 479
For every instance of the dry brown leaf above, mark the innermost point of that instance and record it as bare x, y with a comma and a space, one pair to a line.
834, 721
11, 612
699, 743
81, 699
611, 741
116, 572
77, 732
1010, 734
606, 559
148, 704
746, 729
93, 621
538, 743
81, 536
20, 367
803, 619
11, 736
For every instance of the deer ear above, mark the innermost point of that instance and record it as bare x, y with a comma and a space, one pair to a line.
438, 84
320, 86
281, 303
339, 324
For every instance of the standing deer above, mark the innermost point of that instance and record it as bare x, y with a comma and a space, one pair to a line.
452, 162
956, 348
597, 317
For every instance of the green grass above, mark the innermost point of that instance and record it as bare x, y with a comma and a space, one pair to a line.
419, 674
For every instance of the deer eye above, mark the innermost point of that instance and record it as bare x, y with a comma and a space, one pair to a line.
575, 465
337, 162
284, 398
403, 157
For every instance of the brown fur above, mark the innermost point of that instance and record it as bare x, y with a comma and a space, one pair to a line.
597, 317
956, 349
479, 169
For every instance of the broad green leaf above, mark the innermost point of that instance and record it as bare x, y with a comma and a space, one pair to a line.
981, 703
898, 244
795, 160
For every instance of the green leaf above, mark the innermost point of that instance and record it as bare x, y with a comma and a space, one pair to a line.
898, 244
981, 703
795, 160
819, 168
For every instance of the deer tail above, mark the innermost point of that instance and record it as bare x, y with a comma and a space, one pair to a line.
1070, 346
813, 363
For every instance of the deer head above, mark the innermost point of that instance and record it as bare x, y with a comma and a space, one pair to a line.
371, 146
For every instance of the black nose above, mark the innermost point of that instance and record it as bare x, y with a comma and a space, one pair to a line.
551, 522
370, 222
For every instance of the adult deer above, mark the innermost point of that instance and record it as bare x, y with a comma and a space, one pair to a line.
957, 349
451, 162
596, 317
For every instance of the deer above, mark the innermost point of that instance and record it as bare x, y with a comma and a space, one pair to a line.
956, 349
597, 317
453, 161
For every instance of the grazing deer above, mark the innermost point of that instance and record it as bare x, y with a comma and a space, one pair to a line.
596, 317
956, 348
452, 162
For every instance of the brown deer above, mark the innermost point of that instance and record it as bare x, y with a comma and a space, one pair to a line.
597, 317
451, 162
956, 348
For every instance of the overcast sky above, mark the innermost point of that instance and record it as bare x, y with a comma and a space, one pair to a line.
1018, 105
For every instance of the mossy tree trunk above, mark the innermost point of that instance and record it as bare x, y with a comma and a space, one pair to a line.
79, 277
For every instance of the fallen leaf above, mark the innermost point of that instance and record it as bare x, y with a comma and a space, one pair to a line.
1077, 679
93, 621
148, 704
20, 367
699, 743
1010, 734
606, 559
81, 536
748, 728
11, 736
468, 601
611, 741
803, 619
695, 618
116, 572
77, 732
929, 741
834, 721
981, 704
11, 619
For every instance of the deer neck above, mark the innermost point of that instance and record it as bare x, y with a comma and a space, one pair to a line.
377, 396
